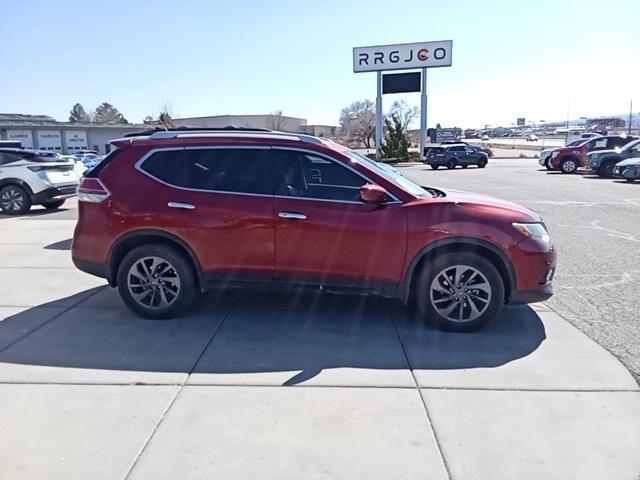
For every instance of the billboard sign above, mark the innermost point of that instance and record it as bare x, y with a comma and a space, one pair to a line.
520, 122
402, 56
401, 82
448, 135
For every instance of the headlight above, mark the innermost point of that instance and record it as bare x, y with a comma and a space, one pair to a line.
533, 230
554, 154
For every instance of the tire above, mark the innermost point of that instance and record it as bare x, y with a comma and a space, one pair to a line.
14, 200
482, 163
433, 305
569, 165
179, 287
464, 166
53, 205
451, 164
606, 169
435, 167
630, 180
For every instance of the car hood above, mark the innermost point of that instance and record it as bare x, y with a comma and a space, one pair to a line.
604, 152
492, 206
629, 161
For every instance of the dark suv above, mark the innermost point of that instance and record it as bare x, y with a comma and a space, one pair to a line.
451, 156
168, 214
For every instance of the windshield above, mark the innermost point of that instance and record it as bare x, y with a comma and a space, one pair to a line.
630, 146
389, 174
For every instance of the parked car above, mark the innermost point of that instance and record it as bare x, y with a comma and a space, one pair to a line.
80, 153
28, 177
485, 137
169, 214
545, 155
603, 161
569, 159
451, 156
628, 169
532, 138
90, 160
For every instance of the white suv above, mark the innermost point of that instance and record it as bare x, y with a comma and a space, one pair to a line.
29, 177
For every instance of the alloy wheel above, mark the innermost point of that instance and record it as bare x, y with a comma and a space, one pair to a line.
460, 293
12, 200
153, 282
569, 166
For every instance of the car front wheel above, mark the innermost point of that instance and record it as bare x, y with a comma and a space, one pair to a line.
14, 200
606, 170
569, 165
460, 292
435, 167
156, 281
547, 164
451, 164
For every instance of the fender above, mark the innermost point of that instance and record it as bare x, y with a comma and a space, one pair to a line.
149, 233
457, 242
16, 181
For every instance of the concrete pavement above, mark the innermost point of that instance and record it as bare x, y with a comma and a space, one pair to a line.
272, 384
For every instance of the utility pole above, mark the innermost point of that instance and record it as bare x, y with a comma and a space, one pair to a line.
630, 114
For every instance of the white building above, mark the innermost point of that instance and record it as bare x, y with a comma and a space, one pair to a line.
45, 133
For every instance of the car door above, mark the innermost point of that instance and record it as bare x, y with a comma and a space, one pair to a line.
458, 154
324, 232
471, 156
217, 201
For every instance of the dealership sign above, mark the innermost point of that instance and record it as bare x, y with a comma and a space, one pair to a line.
402, 56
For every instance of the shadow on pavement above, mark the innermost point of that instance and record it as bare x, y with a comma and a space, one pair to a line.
61, 245
263, 331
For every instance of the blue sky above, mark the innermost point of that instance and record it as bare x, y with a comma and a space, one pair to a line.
510, 58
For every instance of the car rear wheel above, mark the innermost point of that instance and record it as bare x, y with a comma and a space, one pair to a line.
482, 163
53, 205
14, 200
570, 165
606, 170
156, 281
451, 164
459, 292
435, 167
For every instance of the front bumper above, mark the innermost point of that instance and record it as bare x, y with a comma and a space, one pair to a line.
531, 296
54, 193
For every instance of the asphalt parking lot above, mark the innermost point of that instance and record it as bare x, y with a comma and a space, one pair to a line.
595, 224
274, 384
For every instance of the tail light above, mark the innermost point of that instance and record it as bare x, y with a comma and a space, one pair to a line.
92, 190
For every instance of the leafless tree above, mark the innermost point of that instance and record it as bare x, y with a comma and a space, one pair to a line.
276, 121
404, 113
358, 122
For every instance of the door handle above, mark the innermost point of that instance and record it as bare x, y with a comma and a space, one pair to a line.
185, 205
292, 215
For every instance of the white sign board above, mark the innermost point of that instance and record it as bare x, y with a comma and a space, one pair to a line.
75, 140
23, 136
49, 140
402, 56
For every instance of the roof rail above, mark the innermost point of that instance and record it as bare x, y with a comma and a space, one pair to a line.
222, 132
228, 128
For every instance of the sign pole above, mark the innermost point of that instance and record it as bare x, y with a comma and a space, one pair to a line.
379, 115
423, 113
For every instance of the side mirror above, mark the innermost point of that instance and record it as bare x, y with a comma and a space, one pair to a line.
372, 193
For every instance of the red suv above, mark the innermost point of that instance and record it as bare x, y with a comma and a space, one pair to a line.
169, 214
569, 159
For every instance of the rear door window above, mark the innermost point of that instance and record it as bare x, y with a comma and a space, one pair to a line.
234, 170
